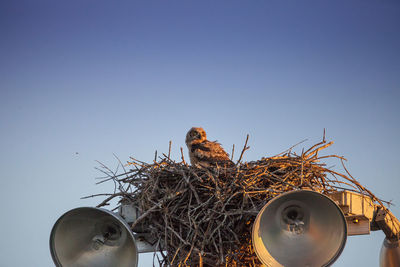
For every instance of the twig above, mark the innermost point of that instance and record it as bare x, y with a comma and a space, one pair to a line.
182, 157
245, 147
204, 216
169, 150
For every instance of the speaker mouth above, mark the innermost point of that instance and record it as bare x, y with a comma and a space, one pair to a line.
293, 219
110, 233
299, 228
92, 237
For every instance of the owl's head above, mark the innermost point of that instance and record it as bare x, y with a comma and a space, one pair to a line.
195, 135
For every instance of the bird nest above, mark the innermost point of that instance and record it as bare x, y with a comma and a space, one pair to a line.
204, 216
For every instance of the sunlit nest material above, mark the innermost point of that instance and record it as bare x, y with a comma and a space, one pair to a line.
203, 217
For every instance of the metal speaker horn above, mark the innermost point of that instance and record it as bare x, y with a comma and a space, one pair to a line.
390, 253
92, 237
299, 228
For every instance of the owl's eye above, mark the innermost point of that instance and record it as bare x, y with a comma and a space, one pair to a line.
195, 134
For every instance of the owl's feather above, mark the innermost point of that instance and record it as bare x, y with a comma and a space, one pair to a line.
204, 153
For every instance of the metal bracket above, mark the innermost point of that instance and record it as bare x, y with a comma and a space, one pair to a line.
363, 215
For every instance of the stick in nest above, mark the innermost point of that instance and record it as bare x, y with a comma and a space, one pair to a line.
204, 216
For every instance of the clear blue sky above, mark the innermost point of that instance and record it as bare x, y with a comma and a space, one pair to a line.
101, 77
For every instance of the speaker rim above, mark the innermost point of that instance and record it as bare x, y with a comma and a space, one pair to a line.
338, 253
114, 215
389, 254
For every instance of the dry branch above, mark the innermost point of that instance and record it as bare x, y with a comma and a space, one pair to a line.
203, 217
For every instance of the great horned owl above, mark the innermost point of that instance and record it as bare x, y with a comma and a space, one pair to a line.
204, 153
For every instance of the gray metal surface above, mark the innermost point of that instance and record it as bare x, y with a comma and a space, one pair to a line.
390, 254
299, 228
92, 237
